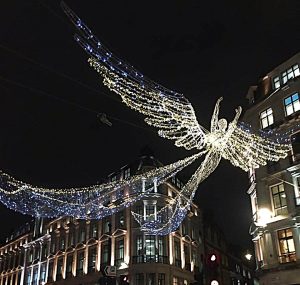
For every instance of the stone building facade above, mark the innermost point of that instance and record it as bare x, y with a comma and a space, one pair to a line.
274, 105
71, 251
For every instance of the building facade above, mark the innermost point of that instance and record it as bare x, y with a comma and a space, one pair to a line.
222, 263
71, 251
274, 105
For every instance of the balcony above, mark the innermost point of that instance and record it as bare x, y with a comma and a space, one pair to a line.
288, 257
150, 259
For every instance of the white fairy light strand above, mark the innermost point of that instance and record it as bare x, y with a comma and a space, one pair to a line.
92, 202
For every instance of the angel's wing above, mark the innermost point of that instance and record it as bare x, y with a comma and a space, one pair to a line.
165, 109
248, 150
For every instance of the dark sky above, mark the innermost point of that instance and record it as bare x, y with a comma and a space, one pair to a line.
50, 96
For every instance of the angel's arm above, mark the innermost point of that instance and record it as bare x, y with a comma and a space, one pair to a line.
215, 116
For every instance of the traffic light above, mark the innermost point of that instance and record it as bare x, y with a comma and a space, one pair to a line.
213, 262
123, 280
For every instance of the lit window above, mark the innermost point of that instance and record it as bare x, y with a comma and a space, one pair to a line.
150, 247
296, 70
276, 82
279, 199
292, 104
150, 212
266, 118
286, 246
290, 73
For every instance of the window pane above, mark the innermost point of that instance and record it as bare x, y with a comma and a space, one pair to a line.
296, 70
291, 245
296, 106
295, 97
289, 110
287, 101
276, 200
271, 120
263, 114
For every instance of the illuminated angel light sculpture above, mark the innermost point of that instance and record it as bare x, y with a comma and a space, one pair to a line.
175, 118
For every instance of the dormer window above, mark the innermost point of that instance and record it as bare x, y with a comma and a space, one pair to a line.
290, 73
276, 82
266, 118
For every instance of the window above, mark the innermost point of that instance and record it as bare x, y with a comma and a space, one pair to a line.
69, 265
127, 173
43, 272
184, 228
94, 230
187, 258
286, 246
28, 277
120, 220
106, 225
161, 279
92, 259
80, 260
290, 73
177, 252
266, 118
114, 178
150, 247
50, 271
292, 104
150, 279
35, 276
82, 235
279, 199
119, 252
139, 279
62, 243
150, 212
139, 245
59, 270
276, 82
105, 253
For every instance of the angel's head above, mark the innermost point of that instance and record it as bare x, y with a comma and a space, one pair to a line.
222, 124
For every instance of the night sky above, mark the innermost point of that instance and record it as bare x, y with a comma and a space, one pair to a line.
50, 96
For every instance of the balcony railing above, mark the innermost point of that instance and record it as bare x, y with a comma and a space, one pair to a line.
149, 259
288, 257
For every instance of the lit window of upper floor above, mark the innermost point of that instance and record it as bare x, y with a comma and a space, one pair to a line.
287, 251
266, 118
279, 199
290, 73
292, 104
286, 75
